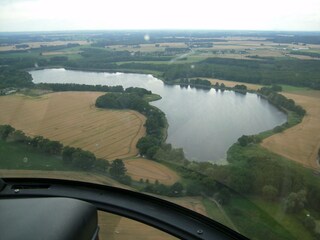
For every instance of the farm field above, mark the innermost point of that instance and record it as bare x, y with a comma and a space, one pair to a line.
38, 44
146, 169
71, 118
301, 142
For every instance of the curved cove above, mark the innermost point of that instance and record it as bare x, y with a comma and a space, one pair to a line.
205, 123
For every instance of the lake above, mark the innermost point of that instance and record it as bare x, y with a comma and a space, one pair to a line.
205, 123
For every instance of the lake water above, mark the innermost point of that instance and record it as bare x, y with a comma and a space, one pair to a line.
205, 123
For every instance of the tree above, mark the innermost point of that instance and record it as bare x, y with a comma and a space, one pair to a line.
276, 88
17, 136
269, 192
36, 141
278, 129
127, 180
223, 196
83, 159
5, 130
145, 143
176, 189
193, 189
152, 151
295, 202
101, 165
52, 147
243, 140
117, 169
241, 180
240, 87
309, 223
209, 185
67, 154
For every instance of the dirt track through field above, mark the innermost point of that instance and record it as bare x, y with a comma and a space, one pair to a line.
71, 118
301, 142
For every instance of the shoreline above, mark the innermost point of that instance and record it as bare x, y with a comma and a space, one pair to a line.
165, 82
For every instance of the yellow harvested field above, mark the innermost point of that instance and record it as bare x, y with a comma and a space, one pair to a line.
114, 227
301, 142
71, 118
232, 83
147, 169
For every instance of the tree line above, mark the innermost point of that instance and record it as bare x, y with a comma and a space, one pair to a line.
95, 55
87, 161
133, 99
152, 145
60, 87
281, 101
266, 71
76, 157
12, 77
198, 83
155, 123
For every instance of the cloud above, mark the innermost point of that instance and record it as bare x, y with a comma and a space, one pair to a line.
24, 15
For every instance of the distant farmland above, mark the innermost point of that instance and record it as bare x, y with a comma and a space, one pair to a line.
72, 119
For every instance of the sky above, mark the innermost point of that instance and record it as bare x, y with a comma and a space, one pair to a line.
55, 15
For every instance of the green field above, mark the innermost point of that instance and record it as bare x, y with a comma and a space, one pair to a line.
215, 213
241, 154
292, 89
20, 156
288, 221
255, 222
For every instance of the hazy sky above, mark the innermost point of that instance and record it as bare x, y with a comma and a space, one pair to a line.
38, 15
